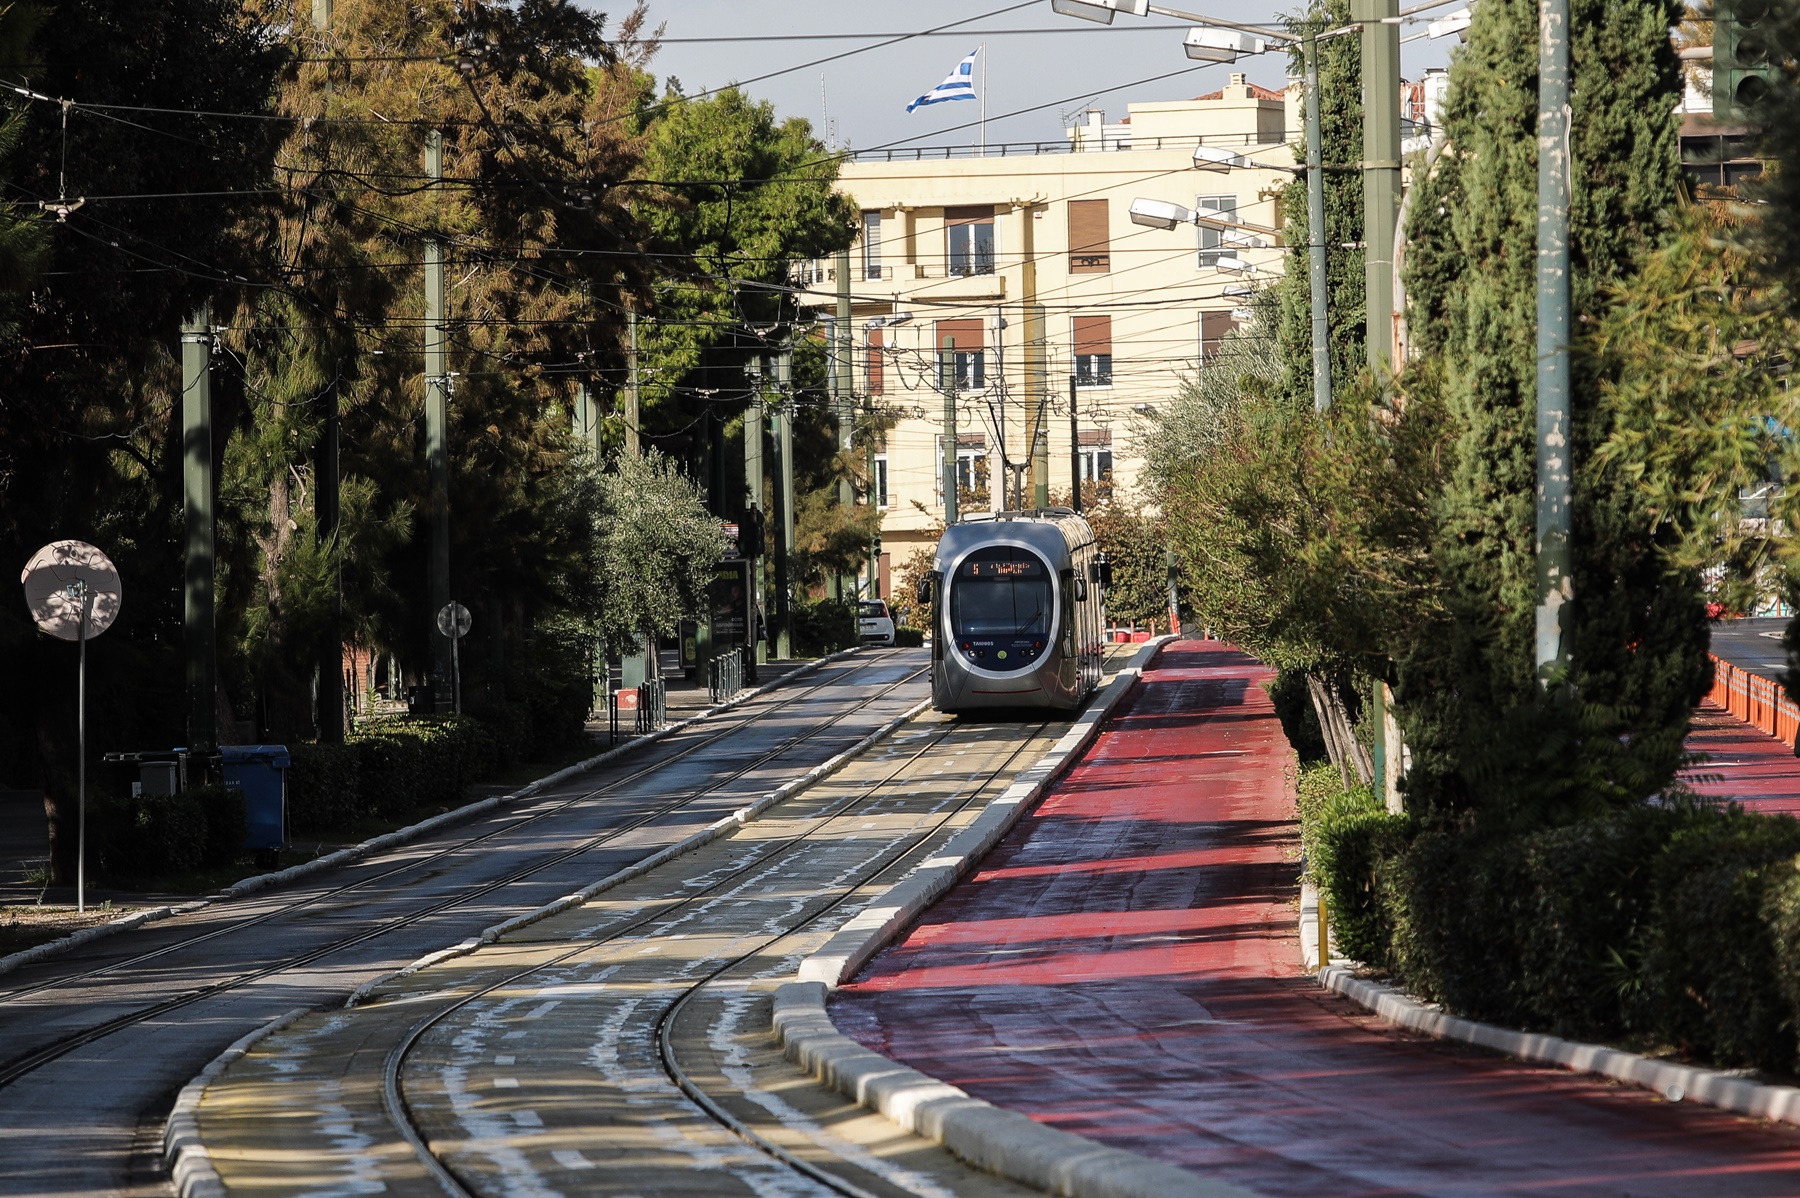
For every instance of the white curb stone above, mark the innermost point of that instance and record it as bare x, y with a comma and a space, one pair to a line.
1675, 1082
190, 1164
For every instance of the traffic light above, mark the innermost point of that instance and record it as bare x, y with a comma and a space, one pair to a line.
1744, 58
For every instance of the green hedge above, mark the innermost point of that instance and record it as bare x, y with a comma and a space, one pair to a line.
147, 836
825, 626
1676, 924
908, 638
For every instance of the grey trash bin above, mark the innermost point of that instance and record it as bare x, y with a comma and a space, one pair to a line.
260, 771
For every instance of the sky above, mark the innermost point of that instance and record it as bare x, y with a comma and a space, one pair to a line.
1041, 67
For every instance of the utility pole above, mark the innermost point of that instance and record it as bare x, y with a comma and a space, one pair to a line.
843, 384
327, 510
755, 503
197, 509
1555, 568
784, 491
1381, 171
632, 444
947, 372
437, 436
1074, 446
1315, 221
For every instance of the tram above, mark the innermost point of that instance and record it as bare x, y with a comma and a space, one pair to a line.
1018, 609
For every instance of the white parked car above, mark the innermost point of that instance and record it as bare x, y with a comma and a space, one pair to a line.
875, 622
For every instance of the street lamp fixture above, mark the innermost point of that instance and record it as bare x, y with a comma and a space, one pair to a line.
1102, 11
1238, 291
1208, 44
1159, 214
1457, 22
1234, 265
1212, 158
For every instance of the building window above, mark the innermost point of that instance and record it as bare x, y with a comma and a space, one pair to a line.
871, 245
1096, 457
1213, 327
971, 470
878, 480
1093, 351
1212, 241
877, 368
970, 366
1090, 238
971, 236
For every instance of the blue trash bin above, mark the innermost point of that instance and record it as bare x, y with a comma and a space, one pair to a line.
260, 771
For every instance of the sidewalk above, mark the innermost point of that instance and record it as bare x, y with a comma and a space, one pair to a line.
1742, 763
1125, 965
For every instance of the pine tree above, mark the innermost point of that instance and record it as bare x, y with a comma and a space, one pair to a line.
1469, 701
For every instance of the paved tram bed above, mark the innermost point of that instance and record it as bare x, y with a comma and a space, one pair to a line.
1126, 965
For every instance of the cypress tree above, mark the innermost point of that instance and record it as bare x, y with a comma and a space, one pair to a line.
1482, 735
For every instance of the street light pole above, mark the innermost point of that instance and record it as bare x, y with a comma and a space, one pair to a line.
1315, 234
1555, 582
1381, 171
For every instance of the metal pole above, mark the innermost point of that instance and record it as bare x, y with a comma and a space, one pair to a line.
437, 432
197, 504
1381, 171
753, 488
632, 444
87, 615
843, 384
456, 670
947, 368
784, 447
1074, 445
1315, 219
1555, 581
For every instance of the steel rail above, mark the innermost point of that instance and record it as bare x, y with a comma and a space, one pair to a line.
400, 1111
29, 1062
521, 821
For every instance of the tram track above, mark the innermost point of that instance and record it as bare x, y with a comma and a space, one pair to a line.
24, 1064
764, 862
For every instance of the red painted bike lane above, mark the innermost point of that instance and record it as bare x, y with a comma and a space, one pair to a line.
1125, 965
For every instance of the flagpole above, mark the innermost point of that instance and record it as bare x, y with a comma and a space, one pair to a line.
983, 100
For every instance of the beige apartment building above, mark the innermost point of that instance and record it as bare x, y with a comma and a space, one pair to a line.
1026, 258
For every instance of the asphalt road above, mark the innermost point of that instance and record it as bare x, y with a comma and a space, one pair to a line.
1752, 644
542, 1064
82, 1123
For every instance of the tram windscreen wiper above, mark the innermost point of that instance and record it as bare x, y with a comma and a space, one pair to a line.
1036, 619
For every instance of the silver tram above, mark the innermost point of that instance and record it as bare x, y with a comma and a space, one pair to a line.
1018, 614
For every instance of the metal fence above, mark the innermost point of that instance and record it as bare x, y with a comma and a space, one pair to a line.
641, 709
1755, 700
725, 675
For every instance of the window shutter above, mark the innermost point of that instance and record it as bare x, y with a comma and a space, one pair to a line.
968, 334
1090, 238
978, 214
1213, 327
872, 245
877, 367
1093, 335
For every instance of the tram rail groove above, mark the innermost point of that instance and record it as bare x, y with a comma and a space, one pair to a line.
896, 853
30, 1061
399, 836
424, 827
713, 831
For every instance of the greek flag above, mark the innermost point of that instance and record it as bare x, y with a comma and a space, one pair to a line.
959, 85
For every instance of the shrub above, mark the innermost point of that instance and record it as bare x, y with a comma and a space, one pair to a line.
1711, 982
323, 788
150, 835
824, 626
226, 822
908, 638
388, 766
1350, 841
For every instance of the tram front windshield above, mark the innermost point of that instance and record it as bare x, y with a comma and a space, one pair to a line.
1001, 607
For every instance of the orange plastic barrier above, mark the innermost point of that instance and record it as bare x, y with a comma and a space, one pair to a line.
1756, 700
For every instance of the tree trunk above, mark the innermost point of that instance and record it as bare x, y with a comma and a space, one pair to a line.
1354, 763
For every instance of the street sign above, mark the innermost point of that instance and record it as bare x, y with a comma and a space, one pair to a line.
73, 591
454, 621
59, 581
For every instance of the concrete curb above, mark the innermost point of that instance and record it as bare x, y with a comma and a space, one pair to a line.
723, 826
399, 836
190, 1165
877, 925
988, 1137
1710, 1087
